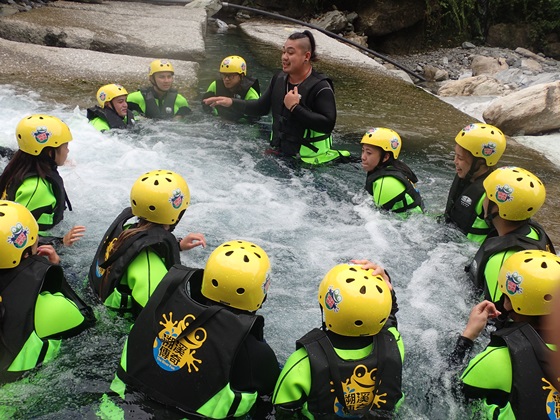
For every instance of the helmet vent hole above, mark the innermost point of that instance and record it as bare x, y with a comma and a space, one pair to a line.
532, 185
530, 209
156, 182
363, 290
350, 280
145, 178
383, 321
240, 291
352, 269
358, 323
246, 258
152, 208
544, 265
548, 297
2, 214
257, 255
379, 289
168, 180
528, 260
229, 253
214, 282
519, 179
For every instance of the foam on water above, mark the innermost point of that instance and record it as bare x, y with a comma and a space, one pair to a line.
307, 220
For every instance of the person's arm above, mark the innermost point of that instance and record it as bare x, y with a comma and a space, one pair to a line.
322, 117
100, 124
255, 107
181, 106
144, 274
293, 386
136, 103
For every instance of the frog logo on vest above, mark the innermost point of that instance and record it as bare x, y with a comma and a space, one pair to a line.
176, 199
552, 401
19, 236
41, 134
172, 351
360, 393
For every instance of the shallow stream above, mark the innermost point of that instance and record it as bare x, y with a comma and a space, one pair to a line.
307, 219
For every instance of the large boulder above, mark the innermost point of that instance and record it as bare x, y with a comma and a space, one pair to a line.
482, 85
533, 110
115, 27
487, 65
382, 17
508, 35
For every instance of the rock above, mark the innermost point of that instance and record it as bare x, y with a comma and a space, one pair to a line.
358, 39
482, 85
553, 50
529, 54
531, 65
468, 45
508, 35
379, 18
434, 74
210, 6
533, 110
102, 27
333, 21
487, 65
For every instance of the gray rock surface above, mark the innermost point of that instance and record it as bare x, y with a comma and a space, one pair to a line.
115, 27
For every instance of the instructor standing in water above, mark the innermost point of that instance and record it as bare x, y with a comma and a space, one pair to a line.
302, 104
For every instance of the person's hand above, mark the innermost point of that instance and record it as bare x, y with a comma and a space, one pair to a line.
73, 235
377, 270
478, 318
292, 99
191, 241
49, 252
218, 100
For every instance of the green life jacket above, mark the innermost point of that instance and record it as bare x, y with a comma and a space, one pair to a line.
348, 388
461, 206
180, 352
409, 198
521, 239
111, 117
288, 134
163, 242
534, 393
164, 108
19, 288
243, 89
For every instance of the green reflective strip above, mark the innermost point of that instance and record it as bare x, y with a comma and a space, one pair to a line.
108, 410
218, 406
28, 356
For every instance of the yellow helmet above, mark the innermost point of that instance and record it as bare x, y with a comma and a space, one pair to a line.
157, 66
387, 139
18, 231
38, 131
233, 64
109, 92
518, 193
160, 197
531, 280
237, 275
483, 141
354, 301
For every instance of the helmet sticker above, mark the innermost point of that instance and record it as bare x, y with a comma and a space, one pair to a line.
19, 236
226, 62
504, 193
395, 143
333, 299
102, 96
513, 283
171, 354
176, 199
266, 283
469, 127
41, 134
243, 66
372, 130
488, 149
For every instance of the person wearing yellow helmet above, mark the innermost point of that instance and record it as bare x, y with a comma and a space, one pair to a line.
159, 100
212, 313
478, 148
302, 104
31, 176
112, 110
139, 247
390, 182
512, 375
352, 366
513, 196
233, 83
38, 308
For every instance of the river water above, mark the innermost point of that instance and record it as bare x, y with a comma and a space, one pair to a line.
307, 219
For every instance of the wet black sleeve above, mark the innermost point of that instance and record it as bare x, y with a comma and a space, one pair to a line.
460, 352
256, 107
322, 117
256, 369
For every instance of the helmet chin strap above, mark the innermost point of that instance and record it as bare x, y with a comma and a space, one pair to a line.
491, 215
475, 166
